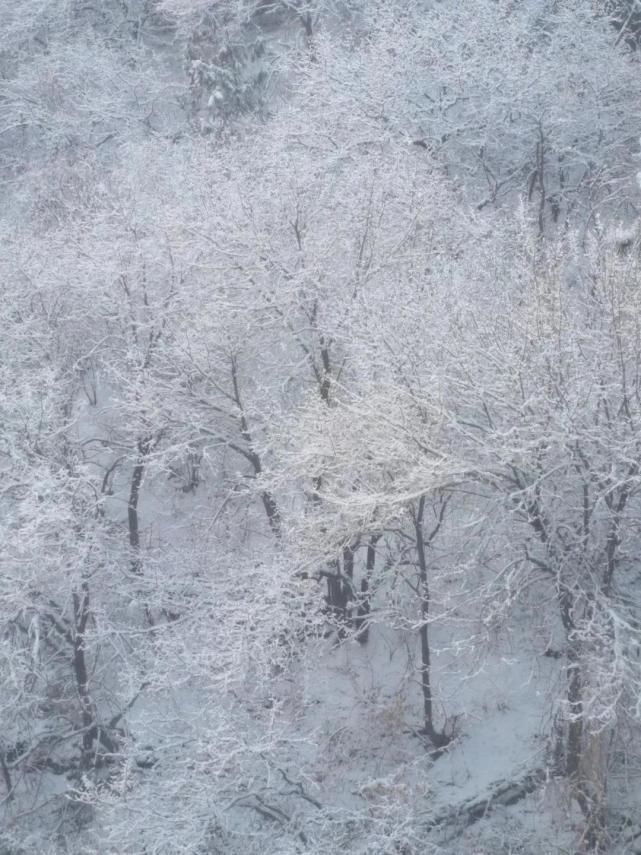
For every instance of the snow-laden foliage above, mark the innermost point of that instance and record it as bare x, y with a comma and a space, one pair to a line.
320, 416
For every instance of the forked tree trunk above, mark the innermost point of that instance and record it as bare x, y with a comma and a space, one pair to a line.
267, 498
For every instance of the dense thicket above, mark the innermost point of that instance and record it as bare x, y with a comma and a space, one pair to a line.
320, 506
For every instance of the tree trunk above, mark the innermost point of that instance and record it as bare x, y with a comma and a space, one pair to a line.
348, 581
438, 739
269, 502
340, 589
271, 509
87, 708
361, 621
575, 715
585, 755
144, 447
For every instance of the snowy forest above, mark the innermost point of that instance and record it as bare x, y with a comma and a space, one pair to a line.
320, 427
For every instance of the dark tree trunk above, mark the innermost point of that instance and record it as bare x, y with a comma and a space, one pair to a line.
579, 764
325, 376
348, 579
575, 714
437, 738
307, 25
271, 509
143, 449
269, 502
340, 589
361, 621
87, 708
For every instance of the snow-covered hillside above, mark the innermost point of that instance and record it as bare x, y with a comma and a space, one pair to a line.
320, 427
